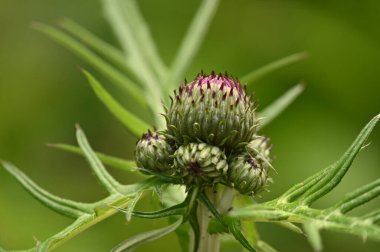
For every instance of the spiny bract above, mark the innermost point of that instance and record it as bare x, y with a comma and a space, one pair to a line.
214, 109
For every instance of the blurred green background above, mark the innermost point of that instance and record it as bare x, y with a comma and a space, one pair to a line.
43, 94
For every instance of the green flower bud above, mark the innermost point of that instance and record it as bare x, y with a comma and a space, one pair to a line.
153, 152
259, 148
200, 164
248, 171
213, 109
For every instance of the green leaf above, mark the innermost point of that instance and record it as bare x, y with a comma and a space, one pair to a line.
106, 69
312, 233
206, 201
192, 41
143, 238
193, 220
184, 208
115, 162
215, 227
324, 181
294, 205
185, 237
266, 69
136, 42
290, 226
233, 225
143, 36
234, 228
109, 52
373, 217
132, 47
63, 206
249, 230
101, 173
101, 210
359, 197
164, 177
167, 212
329, 182
130, 121
279, 105
265, 247
131, 207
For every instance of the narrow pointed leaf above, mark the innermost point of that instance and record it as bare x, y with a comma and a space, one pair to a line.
215, 227
265, 247
193, 220
102, 210
203, 198
308, 184
294, 205
373, 217
101, 173
131, 207
167, 212
290, 226
130, 121
106, 69
266, 69
279, 105
143, 238
312, 233
299, 189
185, 236
164, 177
329, 182
124, 31
143, 36
132, 49
192, 41
108, 51
359, 197
115, 162
249, 230
63, 206
234, 228
184, 208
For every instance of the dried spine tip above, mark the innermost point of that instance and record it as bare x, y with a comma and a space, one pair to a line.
200, 164
248, 171
153, 153
219, 105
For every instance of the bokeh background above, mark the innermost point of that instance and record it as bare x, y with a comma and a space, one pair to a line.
43, 94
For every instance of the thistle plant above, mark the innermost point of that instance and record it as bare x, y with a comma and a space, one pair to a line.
203, 156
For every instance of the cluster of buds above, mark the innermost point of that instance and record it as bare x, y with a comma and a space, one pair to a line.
210, 137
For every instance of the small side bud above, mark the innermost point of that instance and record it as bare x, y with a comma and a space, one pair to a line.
153, 152
200, 164
248, 171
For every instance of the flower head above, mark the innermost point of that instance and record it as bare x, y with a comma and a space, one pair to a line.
214, 109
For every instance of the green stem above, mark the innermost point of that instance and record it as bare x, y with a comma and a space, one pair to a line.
208, 242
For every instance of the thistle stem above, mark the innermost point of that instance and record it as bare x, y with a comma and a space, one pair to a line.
207, 242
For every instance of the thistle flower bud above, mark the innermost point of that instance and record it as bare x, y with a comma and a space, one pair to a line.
248, 171
214, 109
153, 152
260, 148
200, 164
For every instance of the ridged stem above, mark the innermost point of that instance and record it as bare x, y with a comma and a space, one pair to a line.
207, 242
